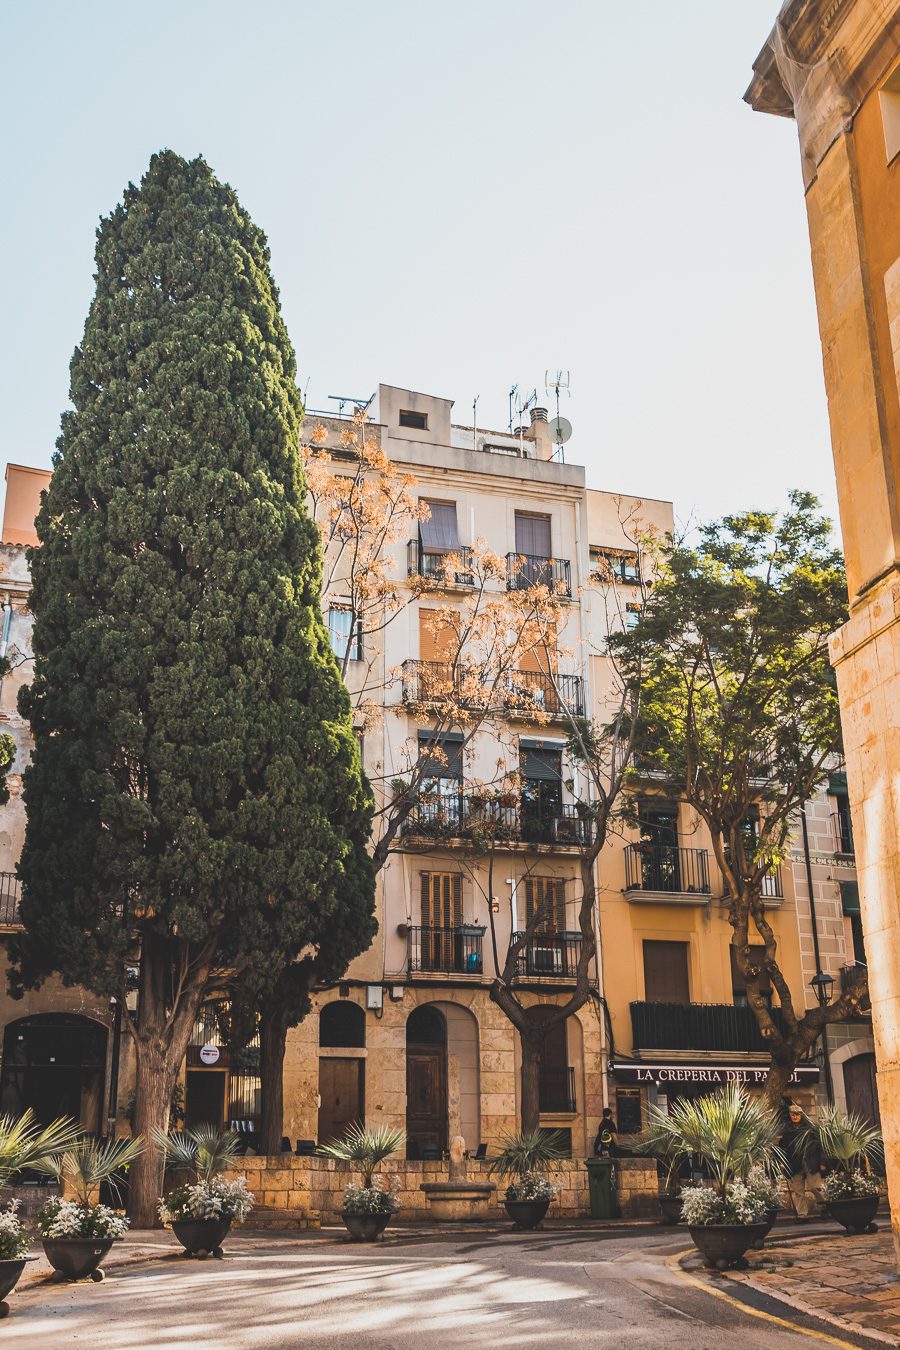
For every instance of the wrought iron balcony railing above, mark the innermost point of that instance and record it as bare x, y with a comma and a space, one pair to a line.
697, 1026
555, 823
772, 888
556, 1091
535, 692
554, 955
434, 568
667, 869
524, 570
10, 893
463, 816
451, 951
842, 827
854, 977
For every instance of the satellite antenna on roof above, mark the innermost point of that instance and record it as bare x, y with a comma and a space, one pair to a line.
560, 427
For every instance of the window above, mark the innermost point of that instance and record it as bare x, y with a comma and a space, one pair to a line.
416, 420
738, 984
438, 636
532, 535
441, 782
342, 634
624, 567
632, 616
666, 972
438, 534
541, 773
889, 98
546, 898
342, 1025
628, 1110
441, 897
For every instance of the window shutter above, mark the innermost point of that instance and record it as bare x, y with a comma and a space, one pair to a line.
426, 899
559, 910
457, 900
529, 900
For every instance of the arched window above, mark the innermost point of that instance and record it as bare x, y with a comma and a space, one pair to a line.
342, 1025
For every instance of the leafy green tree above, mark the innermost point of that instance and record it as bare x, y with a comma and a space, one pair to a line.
739, 709
196, 789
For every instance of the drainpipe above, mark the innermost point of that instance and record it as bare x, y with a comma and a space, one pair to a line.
829, 1089
7, 624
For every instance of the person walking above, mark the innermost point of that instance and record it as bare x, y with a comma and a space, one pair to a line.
802, 1163
605, 1143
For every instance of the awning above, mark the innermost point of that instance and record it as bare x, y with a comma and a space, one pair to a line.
438, 533
715, 1075
849, 897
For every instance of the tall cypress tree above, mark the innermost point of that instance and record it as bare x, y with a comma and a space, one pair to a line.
196, 785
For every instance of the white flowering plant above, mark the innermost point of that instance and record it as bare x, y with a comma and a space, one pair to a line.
702, 1205
216, 1198
369, 1200
13, 1239
849, 1185
530, 1187
763, 1186
72, 1219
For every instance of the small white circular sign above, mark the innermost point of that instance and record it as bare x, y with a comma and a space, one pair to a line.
209, 1054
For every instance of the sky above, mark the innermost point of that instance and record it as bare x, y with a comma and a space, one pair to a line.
458, 198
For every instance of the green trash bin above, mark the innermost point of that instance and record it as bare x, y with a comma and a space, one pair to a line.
601, 1187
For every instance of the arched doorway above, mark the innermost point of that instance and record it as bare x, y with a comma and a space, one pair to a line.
426, 1082
342, 1029
55, 1064
861, 1089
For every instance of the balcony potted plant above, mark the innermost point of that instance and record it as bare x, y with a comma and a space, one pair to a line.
729, 1132
76, 1230
850, 1146
202, 1211
524, 1159
367, 1208
23, 1143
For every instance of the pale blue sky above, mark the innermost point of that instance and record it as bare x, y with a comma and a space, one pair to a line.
457, 197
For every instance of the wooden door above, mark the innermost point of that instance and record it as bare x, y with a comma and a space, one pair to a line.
340, 1096
204, 1099
426, 1096
860, 1087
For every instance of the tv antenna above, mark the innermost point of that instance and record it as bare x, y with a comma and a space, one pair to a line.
560, 427
358, 404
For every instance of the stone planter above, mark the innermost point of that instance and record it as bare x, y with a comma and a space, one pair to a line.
526, 1213
76, 1258
201, 1236
855, 1213
365, 1227
670, 1208
458, 1201
10, 1273
766, 1227
723, 1244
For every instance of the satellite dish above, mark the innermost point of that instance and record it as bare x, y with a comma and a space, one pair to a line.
560, 430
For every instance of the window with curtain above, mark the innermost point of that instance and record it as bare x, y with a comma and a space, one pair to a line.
343, 633
438, 534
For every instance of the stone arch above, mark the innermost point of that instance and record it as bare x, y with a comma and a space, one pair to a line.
862, 1045
342, 1025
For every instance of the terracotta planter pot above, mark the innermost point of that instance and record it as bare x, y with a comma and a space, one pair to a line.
10, 1273
76, 1258
201, 1235
855, 1213
526, 1213
723, 1244
365, 1227
670, 1208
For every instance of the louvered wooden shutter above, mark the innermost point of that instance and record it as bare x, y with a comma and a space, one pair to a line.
559, 906
426, 899
529, 900
457, 899
441, 899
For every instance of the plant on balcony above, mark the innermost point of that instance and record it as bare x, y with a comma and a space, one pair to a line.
367, 1208
851, 1148
76, 1230
524, 1159
740, 709
202, 1211
731, 1134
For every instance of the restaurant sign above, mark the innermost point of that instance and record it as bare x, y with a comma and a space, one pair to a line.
716, 1075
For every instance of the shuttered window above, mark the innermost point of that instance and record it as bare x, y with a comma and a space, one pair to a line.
438, 637
438, 534
546, 898
441, 899
666, 972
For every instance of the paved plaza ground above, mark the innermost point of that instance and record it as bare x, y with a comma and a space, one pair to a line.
416, 1290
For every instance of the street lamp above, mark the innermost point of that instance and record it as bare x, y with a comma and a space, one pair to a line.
822, 985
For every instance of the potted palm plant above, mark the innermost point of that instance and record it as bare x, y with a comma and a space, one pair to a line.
850, 1145
367, 1208
524, 1159
23, 1143
729, 1132
202, 1211
76, 1230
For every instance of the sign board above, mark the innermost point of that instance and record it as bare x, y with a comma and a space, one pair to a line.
716, 1075
209, 1054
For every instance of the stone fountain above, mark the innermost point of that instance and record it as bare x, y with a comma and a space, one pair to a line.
458, 1200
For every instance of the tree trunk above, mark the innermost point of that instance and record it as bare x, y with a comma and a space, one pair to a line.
531, 1080
154, 1084
272, 1042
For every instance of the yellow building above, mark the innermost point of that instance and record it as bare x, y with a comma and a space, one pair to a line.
835, 68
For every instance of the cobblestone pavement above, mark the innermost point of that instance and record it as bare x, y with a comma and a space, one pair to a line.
853, 1280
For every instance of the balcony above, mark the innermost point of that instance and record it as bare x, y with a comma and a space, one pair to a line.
854, 978
772, 888
463, 816
555, 823
549, 956
655, 871
10, 892
448, 951
842, 829
556, 1091
433, 568
524, 570
533, 693
698, 1026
